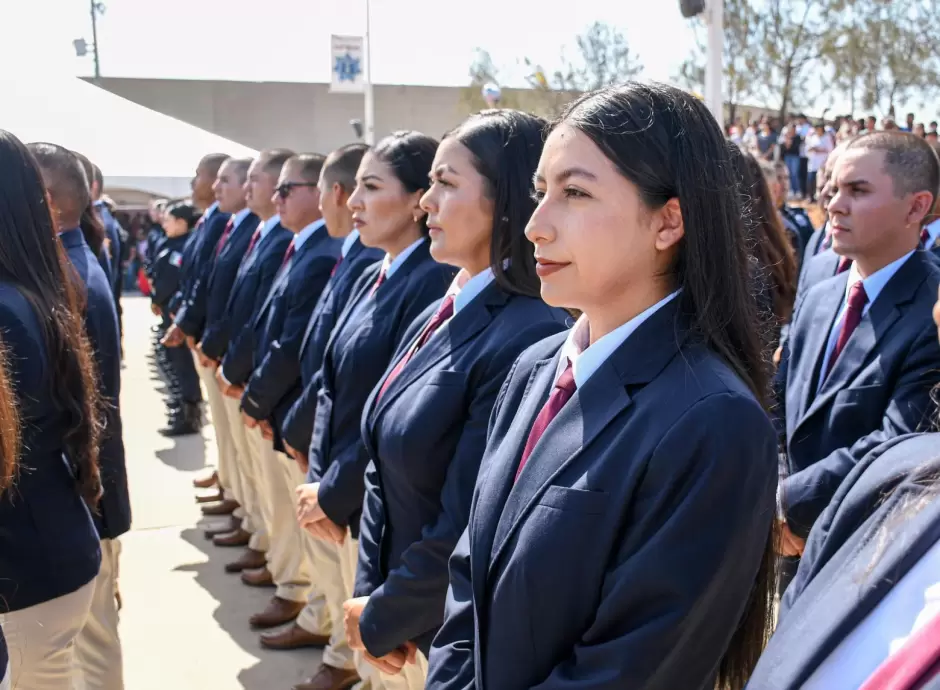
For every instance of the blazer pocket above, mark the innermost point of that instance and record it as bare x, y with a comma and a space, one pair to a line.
854, 396
575, 500
445, 378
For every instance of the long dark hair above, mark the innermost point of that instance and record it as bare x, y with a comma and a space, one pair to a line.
92, 226
506, 146
9, 424
32, 258
410, 156
666, 142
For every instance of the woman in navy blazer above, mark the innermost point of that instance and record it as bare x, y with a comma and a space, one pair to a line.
9, 452
49, 554
620, 530
425, 424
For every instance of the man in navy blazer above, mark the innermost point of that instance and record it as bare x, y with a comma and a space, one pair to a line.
98, 646
862, 356
257, 264
279, 328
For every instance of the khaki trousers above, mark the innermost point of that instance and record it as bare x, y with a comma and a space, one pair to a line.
348, 558
98, 656
246, 486
331, 592
41, 640
412, 677
223, 435
278, 476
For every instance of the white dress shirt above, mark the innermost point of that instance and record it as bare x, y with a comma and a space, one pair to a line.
348, 242
268, 225
390, 265
873, 284
933, 230
586, 358
239, 217
307, 233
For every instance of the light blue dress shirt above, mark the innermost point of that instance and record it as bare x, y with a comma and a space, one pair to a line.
307, 233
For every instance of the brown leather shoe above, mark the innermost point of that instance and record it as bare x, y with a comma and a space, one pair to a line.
237, 538
260, 577
278, 612
293, 637
249, 560
220, 508
329, 678
206, 482
210, 498
231, 525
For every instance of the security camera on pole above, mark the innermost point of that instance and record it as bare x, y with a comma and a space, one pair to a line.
714, 18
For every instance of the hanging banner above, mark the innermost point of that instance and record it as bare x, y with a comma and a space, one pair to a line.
347, 64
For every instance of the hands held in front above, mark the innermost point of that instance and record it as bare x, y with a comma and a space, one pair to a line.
391, 663
311, 517
205, 361
790, 544
174, 337
299, 458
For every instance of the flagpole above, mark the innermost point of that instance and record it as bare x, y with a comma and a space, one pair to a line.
369, 119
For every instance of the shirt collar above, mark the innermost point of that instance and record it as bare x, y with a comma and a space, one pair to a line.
239, 217
307, 233
349, 241
466, 287
268, 225
389, 266
933, 230
211, 211
587, 359
876, 282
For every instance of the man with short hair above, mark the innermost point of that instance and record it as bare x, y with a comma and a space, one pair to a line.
862, 354
98, 646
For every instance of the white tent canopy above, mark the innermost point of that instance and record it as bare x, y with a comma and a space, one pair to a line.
136, 148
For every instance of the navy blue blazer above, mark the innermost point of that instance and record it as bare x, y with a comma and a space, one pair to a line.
114, 232
282, 321
426, 437
848, 566
359, 350
191, 316
252, 285
48, 543
113, 517
225, 269
584, 573
166, 268
296, 423
879, 387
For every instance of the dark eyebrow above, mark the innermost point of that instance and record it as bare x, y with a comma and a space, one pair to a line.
853, 183
442, 169
566, 174
371, 177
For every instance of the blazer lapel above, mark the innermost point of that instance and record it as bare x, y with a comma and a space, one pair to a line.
824, 313
452, 335
603, 397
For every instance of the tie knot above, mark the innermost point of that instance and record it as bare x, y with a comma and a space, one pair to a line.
924, 237
566, 381
446, 310
844, 264
858, 298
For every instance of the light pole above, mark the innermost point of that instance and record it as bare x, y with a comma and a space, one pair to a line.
714, 69
369, 119
81, 45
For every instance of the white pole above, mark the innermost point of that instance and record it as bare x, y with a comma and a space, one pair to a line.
714, 14
369, 120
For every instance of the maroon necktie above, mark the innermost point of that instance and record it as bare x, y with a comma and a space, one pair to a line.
907, 668
254, 240
844, 264
336, 266
288, 254
853, 316
924, 238
379, 281
561, 393
225, 234
444, 312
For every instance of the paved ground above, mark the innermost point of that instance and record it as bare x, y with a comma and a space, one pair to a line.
184, 622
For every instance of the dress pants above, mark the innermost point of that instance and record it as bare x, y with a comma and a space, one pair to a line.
5, 682
246, 486
41, 640
223, 436
332, 589
278, 476
98, 656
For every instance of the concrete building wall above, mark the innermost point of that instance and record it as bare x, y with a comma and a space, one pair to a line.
302, 117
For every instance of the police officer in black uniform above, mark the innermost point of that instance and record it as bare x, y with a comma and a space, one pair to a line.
184, 400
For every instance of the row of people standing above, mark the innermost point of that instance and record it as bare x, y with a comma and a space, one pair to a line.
398, 381
67, 502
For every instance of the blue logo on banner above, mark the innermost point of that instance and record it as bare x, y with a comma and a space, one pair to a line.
347, 67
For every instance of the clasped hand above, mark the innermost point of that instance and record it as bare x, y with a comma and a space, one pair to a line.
311, 517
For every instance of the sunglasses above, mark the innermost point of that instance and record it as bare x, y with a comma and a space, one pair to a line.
283, 191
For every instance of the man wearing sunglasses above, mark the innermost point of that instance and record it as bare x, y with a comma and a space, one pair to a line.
280, 325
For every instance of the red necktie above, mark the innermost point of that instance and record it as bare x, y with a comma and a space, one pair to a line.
336, 266
853, 316
844, 264
561, 393
254, 241
924, 238
444, 312
379, 281
288, 254
906, 669
225, 234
